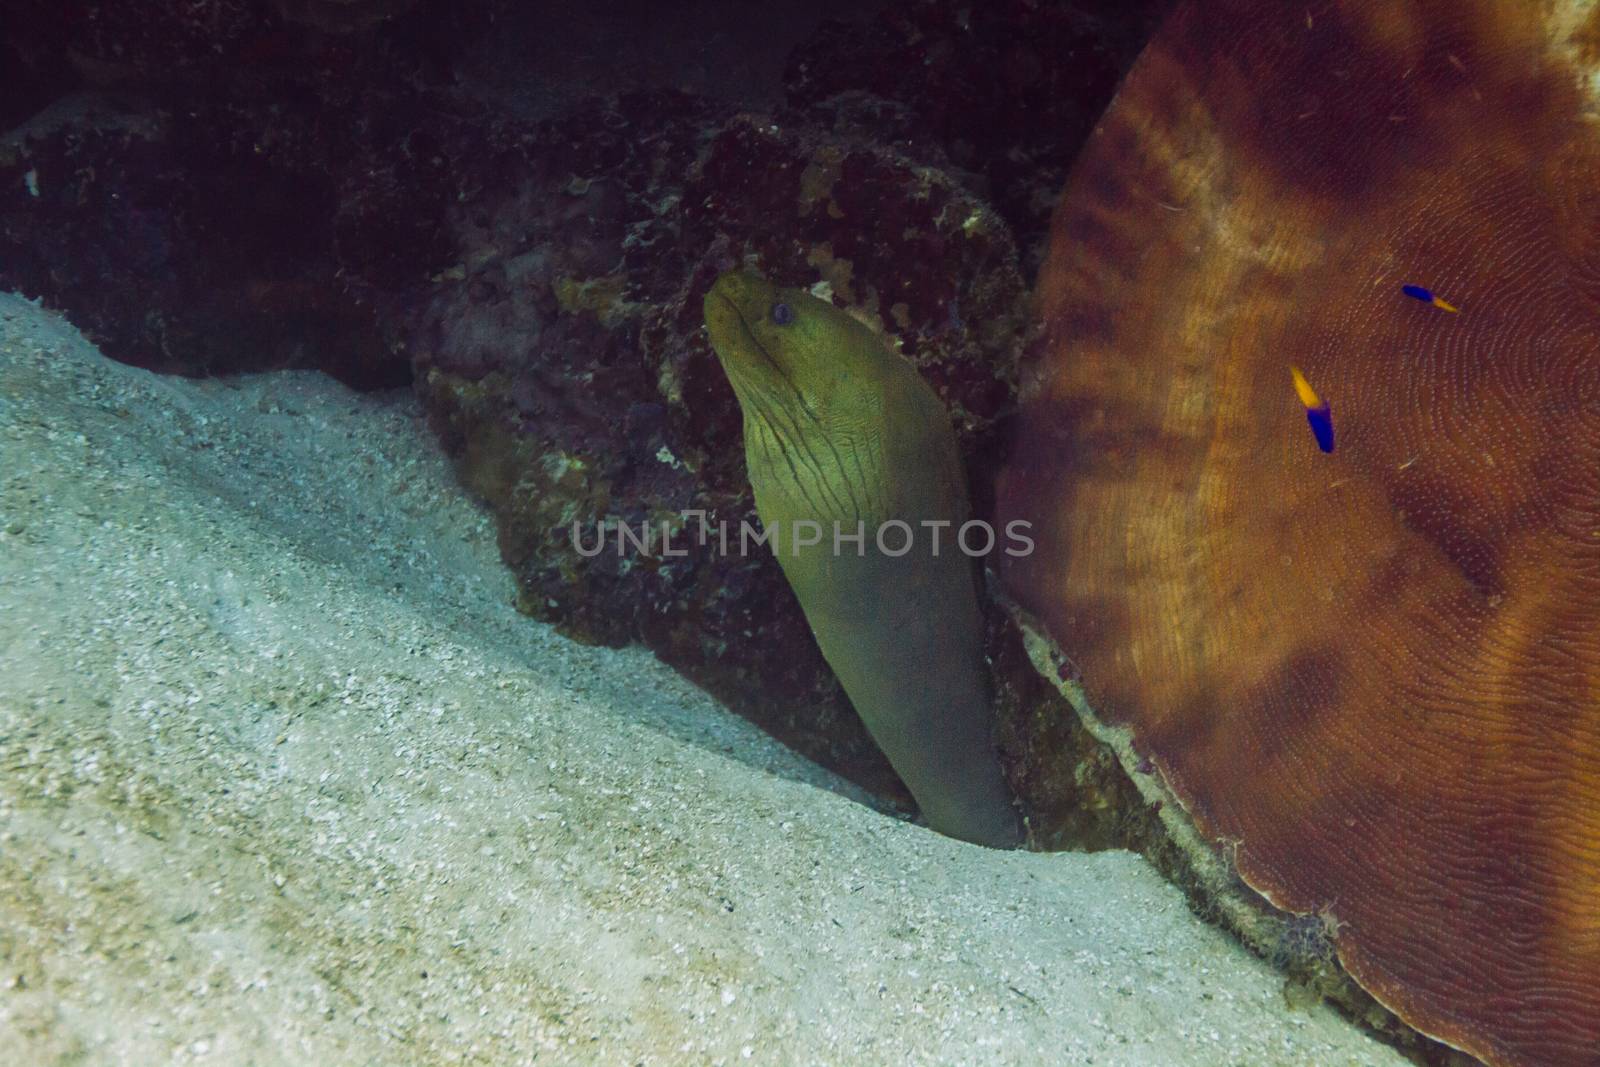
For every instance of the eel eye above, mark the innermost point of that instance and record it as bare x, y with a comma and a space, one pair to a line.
782, 314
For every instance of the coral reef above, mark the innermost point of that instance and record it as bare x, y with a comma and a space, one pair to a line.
163, 265
1369, 675
193, 200
562, 359
1001, 96
236, 187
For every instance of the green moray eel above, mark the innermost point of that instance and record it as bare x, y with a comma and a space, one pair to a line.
840, 430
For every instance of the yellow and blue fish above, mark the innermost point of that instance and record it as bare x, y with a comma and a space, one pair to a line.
1417, 292
1318, 414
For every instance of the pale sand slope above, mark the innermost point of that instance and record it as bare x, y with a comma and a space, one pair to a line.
284, 779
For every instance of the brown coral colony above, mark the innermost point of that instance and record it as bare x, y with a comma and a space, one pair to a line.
1377, 671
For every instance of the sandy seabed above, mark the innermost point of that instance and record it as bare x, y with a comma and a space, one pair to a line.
285, 780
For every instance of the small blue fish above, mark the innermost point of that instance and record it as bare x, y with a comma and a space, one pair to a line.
1417, 292
1318, 414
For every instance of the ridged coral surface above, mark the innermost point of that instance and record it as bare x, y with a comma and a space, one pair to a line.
1373, 675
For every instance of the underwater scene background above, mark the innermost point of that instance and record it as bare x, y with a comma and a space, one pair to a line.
391, 390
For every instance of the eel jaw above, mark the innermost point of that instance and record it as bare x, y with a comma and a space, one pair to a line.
749, 336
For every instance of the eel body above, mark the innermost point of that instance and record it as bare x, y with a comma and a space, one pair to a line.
840, 431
